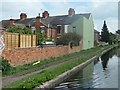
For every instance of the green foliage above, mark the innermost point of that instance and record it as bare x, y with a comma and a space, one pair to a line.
112, 38
40, 38
49, 40
118, 31
5, 66
19, 29
69, 37
105, 33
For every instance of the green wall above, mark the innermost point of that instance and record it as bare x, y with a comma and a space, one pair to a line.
88, 33
79, 26
85, 28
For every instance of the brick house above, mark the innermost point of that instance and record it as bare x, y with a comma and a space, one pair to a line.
96, 36
56, 26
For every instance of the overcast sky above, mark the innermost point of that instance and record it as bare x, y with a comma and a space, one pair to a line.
101, 9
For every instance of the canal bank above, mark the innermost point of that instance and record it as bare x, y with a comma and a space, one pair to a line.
50, 74
54, 82
101, 74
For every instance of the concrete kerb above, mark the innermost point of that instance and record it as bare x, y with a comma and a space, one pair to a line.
54, 82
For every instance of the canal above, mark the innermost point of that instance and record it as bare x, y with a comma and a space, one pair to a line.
102, 73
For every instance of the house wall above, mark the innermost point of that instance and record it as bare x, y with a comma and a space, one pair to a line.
88, 33
52, 33
85, 28
79, 27
26, 55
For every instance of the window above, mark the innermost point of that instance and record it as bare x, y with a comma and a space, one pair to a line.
33, 29
74, 29
42, 30
58, 29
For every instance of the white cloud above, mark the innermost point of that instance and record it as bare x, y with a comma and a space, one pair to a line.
105, 11
14, 9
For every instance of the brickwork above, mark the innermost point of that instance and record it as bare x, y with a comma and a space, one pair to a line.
26, 55
11, 22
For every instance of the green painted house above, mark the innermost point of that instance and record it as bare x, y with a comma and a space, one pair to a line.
85, 28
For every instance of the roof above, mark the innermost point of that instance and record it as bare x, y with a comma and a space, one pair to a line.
96, 31
64, 19
52, 20
1, 28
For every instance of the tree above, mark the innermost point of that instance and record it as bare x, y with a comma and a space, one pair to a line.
105, 33
118, 36
70, 37
118, 31
112, 38
41, 38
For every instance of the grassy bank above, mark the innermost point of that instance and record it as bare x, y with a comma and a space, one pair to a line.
47, 62
42, 64
46, 75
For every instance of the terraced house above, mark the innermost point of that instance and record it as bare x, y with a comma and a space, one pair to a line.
56, 26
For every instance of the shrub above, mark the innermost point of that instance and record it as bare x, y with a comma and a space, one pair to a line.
5, 66
69, 37
18, 29
40, 38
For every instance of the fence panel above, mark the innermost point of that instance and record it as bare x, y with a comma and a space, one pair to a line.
11, 40
34, 40
14, 40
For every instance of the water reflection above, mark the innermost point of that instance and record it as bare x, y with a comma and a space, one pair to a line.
105, 59
102, 73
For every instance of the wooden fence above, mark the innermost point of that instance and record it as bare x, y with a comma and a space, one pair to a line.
15, 40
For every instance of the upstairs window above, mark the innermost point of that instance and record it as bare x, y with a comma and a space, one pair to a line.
74, 29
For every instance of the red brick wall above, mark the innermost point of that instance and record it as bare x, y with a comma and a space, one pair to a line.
27, 55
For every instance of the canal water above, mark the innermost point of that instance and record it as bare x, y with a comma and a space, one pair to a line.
102, 73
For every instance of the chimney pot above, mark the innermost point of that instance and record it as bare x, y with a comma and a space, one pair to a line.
71, 12
45, 14
23, 16
11, 22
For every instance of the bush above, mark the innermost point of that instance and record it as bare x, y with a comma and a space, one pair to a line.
5, 66
69, 38
18, 29
40, 38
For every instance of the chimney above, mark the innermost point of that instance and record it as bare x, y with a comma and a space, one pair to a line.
23, 16
11, 22
37, 23
71, 12
45, 14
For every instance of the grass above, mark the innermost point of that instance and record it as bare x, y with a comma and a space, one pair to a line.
46, 62
39, 78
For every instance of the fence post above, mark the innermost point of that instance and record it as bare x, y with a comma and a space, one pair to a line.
7, 41
11, 40
19, 40
36, 39
31, 40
